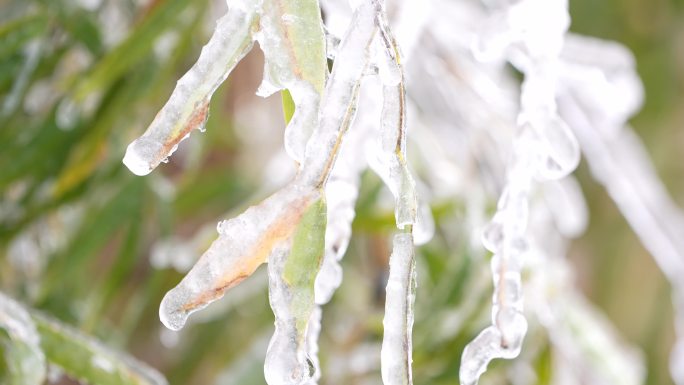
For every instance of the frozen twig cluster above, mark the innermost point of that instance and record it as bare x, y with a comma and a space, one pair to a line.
470, 120
288, 230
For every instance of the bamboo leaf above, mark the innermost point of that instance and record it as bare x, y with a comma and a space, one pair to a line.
304, 261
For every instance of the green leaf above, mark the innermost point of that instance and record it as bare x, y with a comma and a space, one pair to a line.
304, 261
307, 39
134, 49
89, 360
288, 105
24, 362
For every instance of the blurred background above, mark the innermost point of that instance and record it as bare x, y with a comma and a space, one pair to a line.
90, 244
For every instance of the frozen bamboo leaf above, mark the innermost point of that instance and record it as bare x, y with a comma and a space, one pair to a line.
23, 355
398, 322
338, 107
341, 193
188, 106
87, 359
400, 293
292, 276
244, 243
338, 110
393, 125
293, 42
248, 240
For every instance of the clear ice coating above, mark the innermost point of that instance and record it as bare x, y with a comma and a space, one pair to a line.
188, 106
244, 243
292, 272
338, 110
393, 126
545, 147
299, 66
596, 89
398, 322
273, 229
397, 346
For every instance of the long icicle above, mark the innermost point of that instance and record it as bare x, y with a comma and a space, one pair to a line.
396, 353
545, 148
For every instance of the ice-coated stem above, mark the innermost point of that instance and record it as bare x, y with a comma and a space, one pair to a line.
545, 147
341, 93
341, 193
398, 322
188, 106
396, 353
393, 124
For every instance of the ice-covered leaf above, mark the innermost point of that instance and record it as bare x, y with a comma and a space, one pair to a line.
291, 292
188, 106
393, 125
293, 42
244, 243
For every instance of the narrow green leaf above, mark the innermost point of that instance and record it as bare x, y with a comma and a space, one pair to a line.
133, 49
306, 255
89, 360
307, 39
24, 362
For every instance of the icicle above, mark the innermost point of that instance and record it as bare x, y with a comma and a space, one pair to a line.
393, 127
24, 357
188, 106
396, 353
300, 65
398, 322
545, 145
